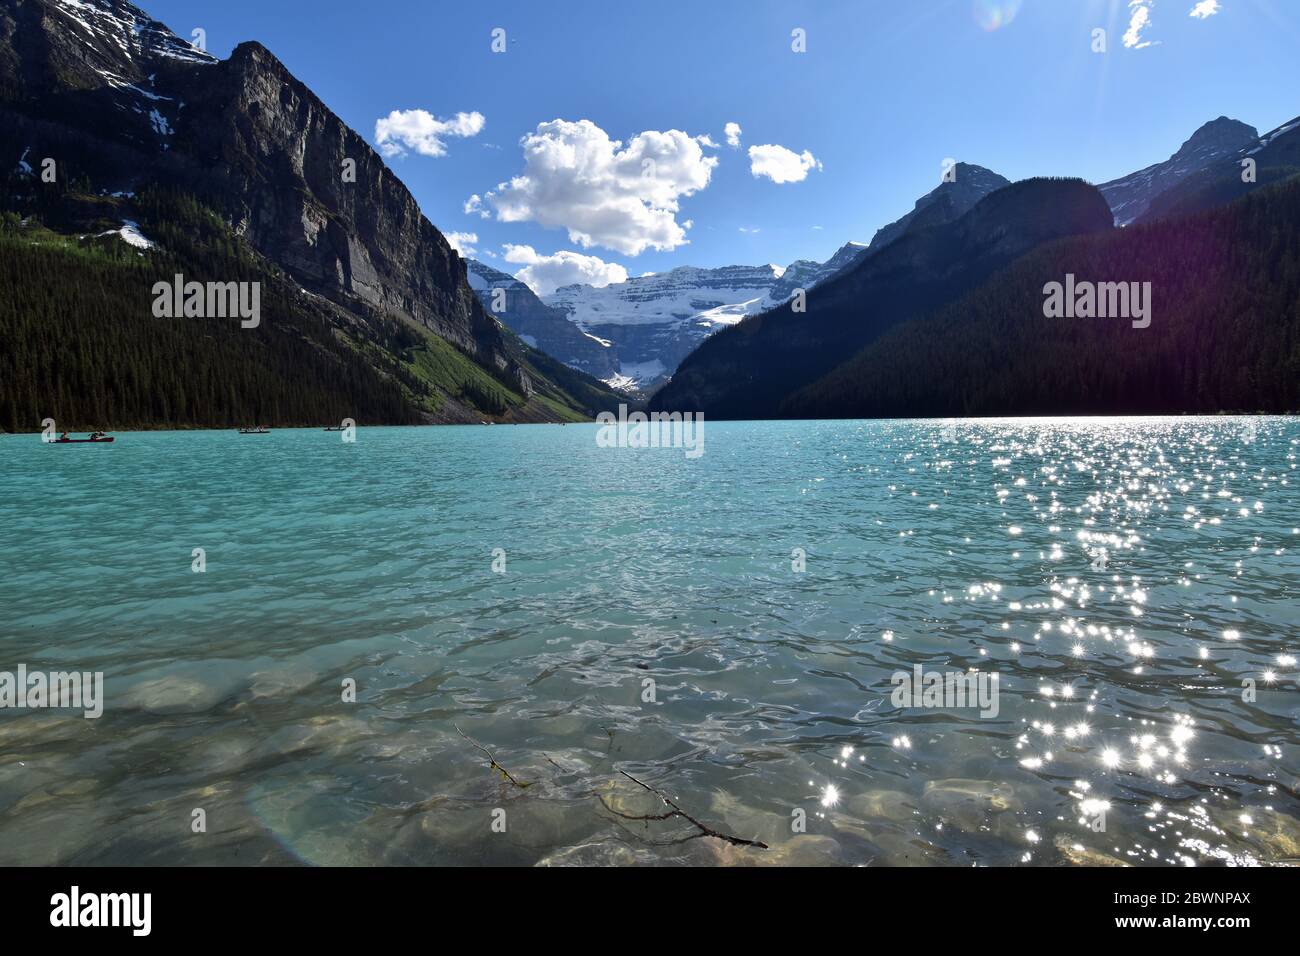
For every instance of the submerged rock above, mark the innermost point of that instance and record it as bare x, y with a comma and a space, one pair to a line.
284, 681
969, 804
624, 797
173, 694
804, 849
882, 805
1080, 855
597, 854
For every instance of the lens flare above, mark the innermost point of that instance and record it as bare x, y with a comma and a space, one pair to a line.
995, 14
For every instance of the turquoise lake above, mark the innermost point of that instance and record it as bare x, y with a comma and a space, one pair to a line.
724, 629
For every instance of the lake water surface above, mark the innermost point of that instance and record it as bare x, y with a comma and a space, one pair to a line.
724, 628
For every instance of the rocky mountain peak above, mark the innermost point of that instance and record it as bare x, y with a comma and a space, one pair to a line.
1222, 134
948, 201
1130, 196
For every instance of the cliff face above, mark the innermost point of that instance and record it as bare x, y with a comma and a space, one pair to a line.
125, 103
311, 194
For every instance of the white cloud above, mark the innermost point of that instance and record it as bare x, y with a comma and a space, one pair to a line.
421, 132
474, 205
751, 232
732, 132
1204, 9
781, 165
462, 242
545, 274
1139, 20
704, 139
605, 193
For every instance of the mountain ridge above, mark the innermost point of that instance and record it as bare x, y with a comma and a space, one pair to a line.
1276, 157
1130, 196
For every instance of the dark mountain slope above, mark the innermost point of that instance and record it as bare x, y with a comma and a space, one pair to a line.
747, 371
1224, 333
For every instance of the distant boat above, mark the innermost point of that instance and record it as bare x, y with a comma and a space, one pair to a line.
106, 440
255, 431
334, 428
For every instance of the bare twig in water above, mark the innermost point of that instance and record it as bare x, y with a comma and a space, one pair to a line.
676, 811
492, 761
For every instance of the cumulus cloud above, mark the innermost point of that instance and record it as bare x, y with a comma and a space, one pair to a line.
624, 197
704, 139
1139, 21
474, 206
545, 274
1204, 9
781, 165
732, 132
462, 242
419, 131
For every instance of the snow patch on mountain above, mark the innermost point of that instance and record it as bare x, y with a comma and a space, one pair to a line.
656, 320
1267, 140
130, 234
684, 296
132, 30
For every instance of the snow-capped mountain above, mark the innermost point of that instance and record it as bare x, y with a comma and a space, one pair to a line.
655, 321
633, 334
807, 273
1130, 195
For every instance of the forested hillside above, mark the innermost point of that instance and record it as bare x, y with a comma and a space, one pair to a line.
81, 344
1224, 333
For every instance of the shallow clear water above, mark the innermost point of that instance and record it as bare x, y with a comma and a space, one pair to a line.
950, 545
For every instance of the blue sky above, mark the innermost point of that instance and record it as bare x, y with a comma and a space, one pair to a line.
886, 90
